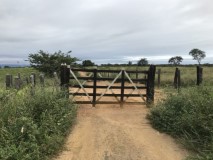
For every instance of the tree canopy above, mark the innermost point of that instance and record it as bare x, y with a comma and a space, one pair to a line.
175, 60
87, 63
142, 62
49, 63
197, 54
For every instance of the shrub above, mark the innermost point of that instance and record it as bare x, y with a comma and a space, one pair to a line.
34, 127
188, 116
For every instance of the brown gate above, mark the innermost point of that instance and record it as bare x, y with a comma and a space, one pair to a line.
98, 83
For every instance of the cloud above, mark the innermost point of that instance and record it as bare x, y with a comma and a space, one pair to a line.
98, 29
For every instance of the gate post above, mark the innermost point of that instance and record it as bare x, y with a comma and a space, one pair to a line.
65, 76
122, 86
150, 84
94, 87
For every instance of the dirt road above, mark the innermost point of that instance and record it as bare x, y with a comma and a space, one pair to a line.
109, 132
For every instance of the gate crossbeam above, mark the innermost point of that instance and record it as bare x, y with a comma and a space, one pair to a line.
80, 85
130, 80
109, 86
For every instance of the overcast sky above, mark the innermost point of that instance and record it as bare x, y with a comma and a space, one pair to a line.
106, 31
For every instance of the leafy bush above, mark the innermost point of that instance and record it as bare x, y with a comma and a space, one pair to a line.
188, 116
34, 127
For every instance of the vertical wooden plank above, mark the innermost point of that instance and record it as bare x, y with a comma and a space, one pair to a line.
62, 70
41, 78
8, 81
11, 80
17, 82
136, 76
176, 78
159, 75
94, 87
151, 84
122, 86
34, 78
32, 81
67, 79
199, 75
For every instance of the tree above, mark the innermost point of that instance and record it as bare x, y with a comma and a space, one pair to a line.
175, 60
49, 63
87, 63
142, 62
197, 55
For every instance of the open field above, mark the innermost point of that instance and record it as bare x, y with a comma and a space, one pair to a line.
188, 74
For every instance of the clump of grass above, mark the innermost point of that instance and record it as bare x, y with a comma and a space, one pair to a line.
189, 117
34, 127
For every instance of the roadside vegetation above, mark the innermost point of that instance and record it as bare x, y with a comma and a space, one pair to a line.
188, 116
34, 127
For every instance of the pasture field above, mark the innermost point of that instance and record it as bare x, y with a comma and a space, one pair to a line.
188, 74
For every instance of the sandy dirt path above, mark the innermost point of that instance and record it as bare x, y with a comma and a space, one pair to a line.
109, 132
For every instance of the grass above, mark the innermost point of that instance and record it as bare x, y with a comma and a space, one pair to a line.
34, 127
188, 116
188, 74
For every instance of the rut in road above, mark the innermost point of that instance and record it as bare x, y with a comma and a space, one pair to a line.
109, 132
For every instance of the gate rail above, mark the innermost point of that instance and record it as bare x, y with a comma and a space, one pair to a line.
68, 73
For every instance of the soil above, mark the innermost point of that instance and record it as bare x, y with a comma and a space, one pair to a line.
112, 132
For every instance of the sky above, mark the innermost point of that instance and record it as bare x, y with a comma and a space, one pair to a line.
106, 31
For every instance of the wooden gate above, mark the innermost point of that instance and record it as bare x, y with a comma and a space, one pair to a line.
87, 84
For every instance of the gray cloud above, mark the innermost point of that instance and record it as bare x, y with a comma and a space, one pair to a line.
110, 30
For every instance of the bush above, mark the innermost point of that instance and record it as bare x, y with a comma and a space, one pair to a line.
188, 116
34, 127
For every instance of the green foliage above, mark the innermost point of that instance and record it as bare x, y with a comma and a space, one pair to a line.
87, 63
175, 60
197, 55
142, 62
34, 127
188, 116
49, 63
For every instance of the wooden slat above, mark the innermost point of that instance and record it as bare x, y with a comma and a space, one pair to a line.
108, 95
107, 71
113, 87
110, 102
110, 79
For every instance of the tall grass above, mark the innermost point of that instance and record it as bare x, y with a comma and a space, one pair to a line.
34, 127
188, 116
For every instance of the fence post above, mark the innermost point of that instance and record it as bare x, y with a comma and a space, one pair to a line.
150, 84
176, 78
159, 74
122, 86
41, 77
199, 75
62, 73
32, 81
8, 81
94, 87
65, 75
17, 83
34, 78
